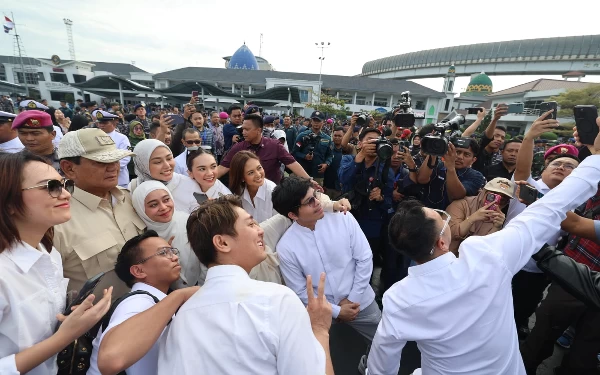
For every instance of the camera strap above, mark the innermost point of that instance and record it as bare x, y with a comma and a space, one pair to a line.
431, 164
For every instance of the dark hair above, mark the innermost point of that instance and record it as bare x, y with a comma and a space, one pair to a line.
155, 116
51, 111
425, 129
256, 120
129, 117
130, 255
233, 108
236, 171
189, 131
288, 195
338, 129
154, 127
510, 141
78, 122
366, 131
189, 161
411, 232
211, 218
474, 146
501, 127
11, 199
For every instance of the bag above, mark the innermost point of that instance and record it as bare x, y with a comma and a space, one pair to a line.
75, 358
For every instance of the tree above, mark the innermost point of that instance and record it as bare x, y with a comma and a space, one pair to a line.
589, 95
328, 104
550, 136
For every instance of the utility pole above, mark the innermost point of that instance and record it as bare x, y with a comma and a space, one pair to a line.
69, 25
322, 58
20, 55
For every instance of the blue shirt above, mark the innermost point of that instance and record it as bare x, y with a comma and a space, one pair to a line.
229, 130
322, 153
332, 180
435, 193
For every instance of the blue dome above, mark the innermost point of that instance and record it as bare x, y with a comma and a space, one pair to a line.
243, 58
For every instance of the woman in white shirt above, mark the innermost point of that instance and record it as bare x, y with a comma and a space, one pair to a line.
153, 203
154, 160
202, 167
247, 180
32, 288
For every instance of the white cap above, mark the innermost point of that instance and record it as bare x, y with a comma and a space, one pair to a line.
32, 104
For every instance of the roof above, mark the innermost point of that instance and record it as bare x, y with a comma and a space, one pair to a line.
8, 86
101, 85
258, 77
542, 85
115, 68
582, 46
243, 58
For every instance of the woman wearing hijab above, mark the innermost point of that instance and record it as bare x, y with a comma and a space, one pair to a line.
154, 160
154, 204
135, 135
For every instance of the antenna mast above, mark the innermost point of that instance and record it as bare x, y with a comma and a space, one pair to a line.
261, 42
69, 23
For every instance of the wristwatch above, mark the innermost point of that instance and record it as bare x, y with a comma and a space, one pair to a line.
413, 169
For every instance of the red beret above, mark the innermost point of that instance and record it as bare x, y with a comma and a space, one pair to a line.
32, 120
560, 150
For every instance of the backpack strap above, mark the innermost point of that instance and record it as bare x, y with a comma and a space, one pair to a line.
103, 323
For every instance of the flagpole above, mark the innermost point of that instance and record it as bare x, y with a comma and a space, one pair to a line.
20, 56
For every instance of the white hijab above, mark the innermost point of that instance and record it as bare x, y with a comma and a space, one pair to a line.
192, 271
181, 187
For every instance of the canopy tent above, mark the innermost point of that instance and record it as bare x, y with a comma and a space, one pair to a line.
111, 84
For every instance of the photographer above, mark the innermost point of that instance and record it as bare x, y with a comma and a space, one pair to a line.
368, 182
491, 141
314, 149
357, 122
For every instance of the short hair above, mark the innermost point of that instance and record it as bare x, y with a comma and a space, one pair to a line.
284, 116
426, 129
189, 131
510, 141
411, 232
130, 255
501, 127
233, 108
474, 146
189, 160
236, 170
129, 117
338, 129
288, 195
366, 131
256, 120
154, 127
211, 218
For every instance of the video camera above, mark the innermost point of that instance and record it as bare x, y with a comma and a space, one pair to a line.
311, 140
403, 113
446, 131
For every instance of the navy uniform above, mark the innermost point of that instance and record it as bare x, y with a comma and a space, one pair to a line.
121, 141
144, 121
321, 147
268, 127
9, 145
38, 120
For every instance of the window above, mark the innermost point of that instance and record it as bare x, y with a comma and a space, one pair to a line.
79, 78
41, 76
348, 98
380, 102
420, 105
59, 77
361, 100
447, 105
58, 96
450, 86
303, 96
32, 78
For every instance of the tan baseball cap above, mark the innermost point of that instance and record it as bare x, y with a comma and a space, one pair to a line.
501, 186
93, 144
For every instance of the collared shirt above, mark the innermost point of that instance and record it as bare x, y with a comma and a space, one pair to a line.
583, 250
270, 152
55, 161
58, 136
90, 242
180, 163
122, 143
217, 190
229, 130
130, 307
459, 310
12, 146
436, 191
262, 207
219, 140
345, 257
236, 325
32, 292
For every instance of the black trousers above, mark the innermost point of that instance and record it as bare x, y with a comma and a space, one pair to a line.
527, 290
557, 312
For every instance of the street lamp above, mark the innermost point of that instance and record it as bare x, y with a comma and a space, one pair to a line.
322, 58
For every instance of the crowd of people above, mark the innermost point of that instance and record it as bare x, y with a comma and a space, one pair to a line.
232, 241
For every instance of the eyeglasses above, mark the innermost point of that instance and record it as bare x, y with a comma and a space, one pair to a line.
166, 251
446, 222
193, 142
55, 187
312, 201
567, 166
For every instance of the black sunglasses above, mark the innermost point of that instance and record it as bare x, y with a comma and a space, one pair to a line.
55, 187
193, 142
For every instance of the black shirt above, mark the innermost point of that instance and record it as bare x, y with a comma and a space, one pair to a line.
484, 158
497, 170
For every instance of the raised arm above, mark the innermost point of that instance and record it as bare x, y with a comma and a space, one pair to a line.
580, 226
473, 127
525, 156
500, 111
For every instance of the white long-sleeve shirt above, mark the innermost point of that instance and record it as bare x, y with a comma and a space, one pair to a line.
337, 247
32, 291
262, 208
235, 325
181, 163
122, 143
459, 310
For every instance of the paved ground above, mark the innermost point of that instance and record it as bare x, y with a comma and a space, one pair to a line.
347, 347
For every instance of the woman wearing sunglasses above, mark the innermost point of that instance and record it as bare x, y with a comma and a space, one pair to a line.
32, 288
154, 161
154, 204
247, 180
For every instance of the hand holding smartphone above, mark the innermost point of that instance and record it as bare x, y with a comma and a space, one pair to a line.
528, 194
86, 290
585, 119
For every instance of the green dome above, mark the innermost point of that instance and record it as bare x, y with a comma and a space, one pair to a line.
480, 85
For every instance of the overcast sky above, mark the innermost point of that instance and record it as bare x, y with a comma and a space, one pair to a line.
166, 35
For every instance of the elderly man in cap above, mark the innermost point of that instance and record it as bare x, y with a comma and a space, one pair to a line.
102, 216
36, 133
107, 122
140, 113
9, 141
32, 105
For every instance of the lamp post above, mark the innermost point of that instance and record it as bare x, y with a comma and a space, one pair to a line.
322, 46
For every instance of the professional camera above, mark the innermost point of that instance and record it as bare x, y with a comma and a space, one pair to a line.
310, 140
446, 131
404, 116
384, 148
363, 119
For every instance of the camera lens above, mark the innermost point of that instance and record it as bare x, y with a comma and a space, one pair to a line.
384, 151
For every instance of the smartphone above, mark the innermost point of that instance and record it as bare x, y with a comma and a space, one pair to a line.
194, 93
177, 119
585, 119
88, 288
200, 198
473, 110
546, 106
516, 108
528, 194
491, 197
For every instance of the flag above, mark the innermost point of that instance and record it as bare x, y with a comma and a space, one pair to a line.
8, 24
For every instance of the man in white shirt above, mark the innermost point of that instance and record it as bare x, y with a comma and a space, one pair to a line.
326, 242
9, 140
107, 122
147, 264
459, 310
191, 141
236, 325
